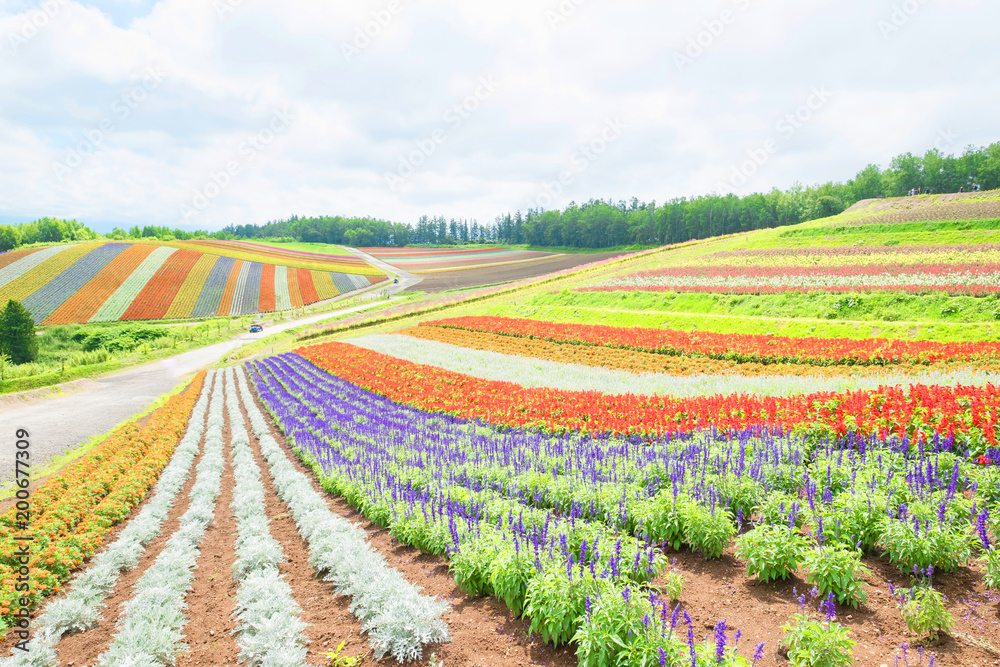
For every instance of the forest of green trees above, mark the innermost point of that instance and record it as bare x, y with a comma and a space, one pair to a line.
596, 223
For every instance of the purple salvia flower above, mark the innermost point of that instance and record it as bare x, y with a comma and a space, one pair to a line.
720, 641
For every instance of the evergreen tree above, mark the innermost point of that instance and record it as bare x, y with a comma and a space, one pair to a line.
17, 333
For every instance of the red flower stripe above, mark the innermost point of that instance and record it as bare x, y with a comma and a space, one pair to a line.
734, 347
306, 287
155, 298
919, 412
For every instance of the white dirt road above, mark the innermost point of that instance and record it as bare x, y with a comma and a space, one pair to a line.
61, 418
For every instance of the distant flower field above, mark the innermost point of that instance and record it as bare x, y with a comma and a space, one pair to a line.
142, 281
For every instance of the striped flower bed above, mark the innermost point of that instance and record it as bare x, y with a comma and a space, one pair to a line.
35, 279
211, 294
192, 288
8, 258
85, 303
974, 279
115, 307
156, 297
247, 296
21, 265
106, 282
306, 287
266, 298
44, 301
226, 304
295, 294
282, 295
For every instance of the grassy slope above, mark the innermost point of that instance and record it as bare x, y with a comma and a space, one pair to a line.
913, 318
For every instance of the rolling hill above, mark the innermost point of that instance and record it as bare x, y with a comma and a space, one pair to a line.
111, 281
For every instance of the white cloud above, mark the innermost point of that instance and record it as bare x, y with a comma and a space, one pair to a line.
63, 73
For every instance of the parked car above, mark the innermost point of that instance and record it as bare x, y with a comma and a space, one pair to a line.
256, 328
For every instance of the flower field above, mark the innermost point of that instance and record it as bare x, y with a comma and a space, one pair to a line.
431, 260
542, 472
121, 281
735, 347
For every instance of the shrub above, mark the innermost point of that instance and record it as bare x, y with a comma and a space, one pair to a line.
922, 609
816, 644
706, 531
771, 552
673, 585
913, 543
991, 568
835, 569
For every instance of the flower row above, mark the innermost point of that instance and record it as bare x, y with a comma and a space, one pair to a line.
534, 372
399, 619
80, 609
73, 510
649, 362
734, 347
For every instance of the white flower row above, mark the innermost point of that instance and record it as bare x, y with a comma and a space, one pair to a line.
118, 303
15, 270
399, 620
533, 372
150, 629
79, 610
269, 630
282, 297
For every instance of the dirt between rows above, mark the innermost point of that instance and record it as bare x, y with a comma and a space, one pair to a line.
483, 632
713, 591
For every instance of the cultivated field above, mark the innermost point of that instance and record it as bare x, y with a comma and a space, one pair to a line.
107, 282
744, 451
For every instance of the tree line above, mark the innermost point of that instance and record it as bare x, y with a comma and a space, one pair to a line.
594, 224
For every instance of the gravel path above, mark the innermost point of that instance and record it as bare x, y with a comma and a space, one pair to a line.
61, 418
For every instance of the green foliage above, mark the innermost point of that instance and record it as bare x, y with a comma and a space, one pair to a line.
673, 585
922, 609
945, 546
337, 660
661, 519
17, 333
706, 531
124, 338
556, 605
771, 552
836, 569
991, 568
815, 644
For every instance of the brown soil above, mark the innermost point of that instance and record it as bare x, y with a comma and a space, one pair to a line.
482, 630
83, 648
447, 280
330, 622
720, 589
210, 600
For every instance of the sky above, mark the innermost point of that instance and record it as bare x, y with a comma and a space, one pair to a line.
201, 113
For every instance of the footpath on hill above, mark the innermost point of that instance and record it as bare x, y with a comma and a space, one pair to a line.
59, 422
